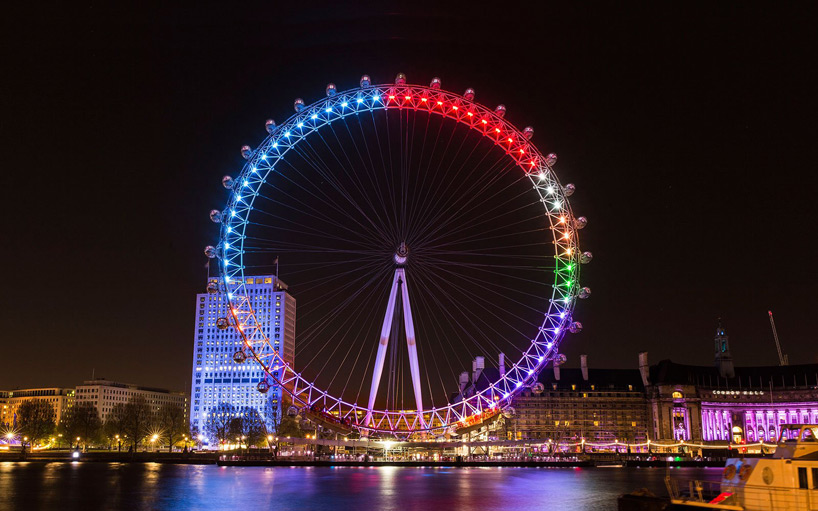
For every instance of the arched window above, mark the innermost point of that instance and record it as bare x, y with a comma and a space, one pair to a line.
677, 395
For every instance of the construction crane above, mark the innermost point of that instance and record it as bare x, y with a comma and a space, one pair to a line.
782, 358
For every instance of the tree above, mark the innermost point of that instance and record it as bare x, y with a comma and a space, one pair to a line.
172, 423
36, 419
137, 420
217, 425
115, 425
82, 420
252, 426
279, 421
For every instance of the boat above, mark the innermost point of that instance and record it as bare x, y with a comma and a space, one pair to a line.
785, 481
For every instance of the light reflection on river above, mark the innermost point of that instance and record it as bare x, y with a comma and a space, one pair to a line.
149, 486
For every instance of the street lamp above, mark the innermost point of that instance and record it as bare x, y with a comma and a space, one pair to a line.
153, 442
118, 444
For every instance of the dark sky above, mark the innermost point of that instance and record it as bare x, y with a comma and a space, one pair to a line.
689, 131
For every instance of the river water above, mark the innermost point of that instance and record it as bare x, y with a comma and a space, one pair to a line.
151, 486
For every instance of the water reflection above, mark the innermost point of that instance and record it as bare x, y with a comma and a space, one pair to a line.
101, 486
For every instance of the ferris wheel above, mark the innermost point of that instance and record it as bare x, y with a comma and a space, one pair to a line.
421, 234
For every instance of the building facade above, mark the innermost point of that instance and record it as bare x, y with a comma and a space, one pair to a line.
61, 399
105, 394
218, 378
723, 403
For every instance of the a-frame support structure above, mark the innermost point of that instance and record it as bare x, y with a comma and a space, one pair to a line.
398, 284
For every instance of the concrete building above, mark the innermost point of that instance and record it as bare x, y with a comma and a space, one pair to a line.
61, 399
216, 377
105, 394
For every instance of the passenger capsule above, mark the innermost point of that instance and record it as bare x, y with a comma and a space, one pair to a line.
215, 216
551, 159
239, 357
400, 79
212, 288
246, 152
500, 111
365, 81
528, 132
580, 222
569, 189
298, 105
586, 257
560, 359
435, 83
270, 126
222, 323
331, 90
210, 251
469, 94
227, 182
575, 328
263, 386
585, 292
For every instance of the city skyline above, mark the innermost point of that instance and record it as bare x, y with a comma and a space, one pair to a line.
708, 147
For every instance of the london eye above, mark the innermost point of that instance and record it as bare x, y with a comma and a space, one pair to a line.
430, 246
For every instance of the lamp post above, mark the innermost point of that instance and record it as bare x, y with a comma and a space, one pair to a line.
153, 442
118, 444
59, 441
78, 443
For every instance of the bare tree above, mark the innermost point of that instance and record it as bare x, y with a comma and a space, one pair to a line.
115, 425
136, 420
82, 421
252, 426
172, 423
36, 419
217, 426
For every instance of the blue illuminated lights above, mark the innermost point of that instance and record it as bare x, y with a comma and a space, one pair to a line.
549, 333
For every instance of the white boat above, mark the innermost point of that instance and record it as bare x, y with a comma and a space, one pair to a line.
788, 480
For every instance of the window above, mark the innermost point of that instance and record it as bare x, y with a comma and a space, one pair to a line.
802, 477
677, 395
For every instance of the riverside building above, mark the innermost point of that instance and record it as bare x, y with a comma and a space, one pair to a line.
216, 377
105, 394
61, 399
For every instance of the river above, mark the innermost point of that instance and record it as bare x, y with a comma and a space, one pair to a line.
150, 486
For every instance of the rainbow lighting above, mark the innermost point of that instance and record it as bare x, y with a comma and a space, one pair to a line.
261, 166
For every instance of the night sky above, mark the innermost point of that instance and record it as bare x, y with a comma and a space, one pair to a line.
689, 132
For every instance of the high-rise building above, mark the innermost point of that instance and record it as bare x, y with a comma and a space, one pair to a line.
104, 394
59, 398
216, 376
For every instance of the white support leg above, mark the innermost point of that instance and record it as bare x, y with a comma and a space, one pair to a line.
379, 359
409, 325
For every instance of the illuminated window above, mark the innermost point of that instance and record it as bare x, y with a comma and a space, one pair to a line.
677, 395
268, 280
633, 424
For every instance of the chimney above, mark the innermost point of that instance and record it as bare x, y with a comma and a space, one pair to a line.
464, 381
477, 367
644, 368
583, 361
502, 364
